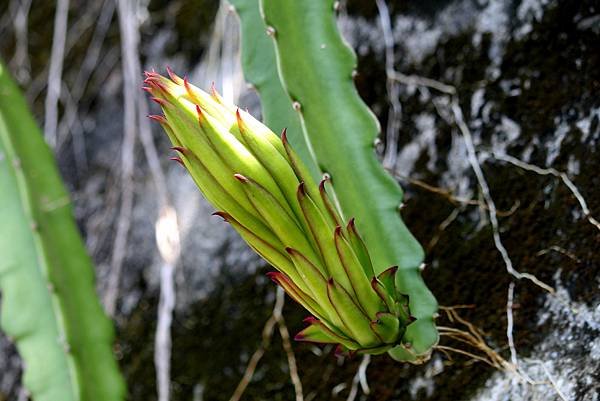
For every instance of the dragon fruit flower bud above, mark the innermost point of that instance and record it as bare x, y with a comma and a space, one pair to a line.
258, 184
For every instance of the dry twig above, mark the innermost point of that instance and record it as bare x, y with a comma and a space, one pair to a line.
360, 378
393, 89
55, 71
559, 174
20, 61
267, 334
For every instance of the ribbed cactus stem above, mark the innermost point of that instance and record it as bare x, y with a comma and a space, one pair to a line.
49, 304
316, 68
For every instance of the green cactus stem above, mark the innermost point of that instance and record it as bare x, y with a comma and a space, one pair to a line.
316, 68
49, 303
263, 189
260, 69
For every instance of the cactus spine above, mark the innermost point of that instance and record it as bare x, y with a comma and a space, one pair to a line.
316, 68
49, 304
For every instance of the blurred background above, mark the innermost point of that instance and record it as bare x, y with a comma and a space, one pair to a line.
516, 79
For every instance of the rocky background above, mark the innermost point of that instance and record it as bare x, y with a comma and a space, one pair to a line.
491, 117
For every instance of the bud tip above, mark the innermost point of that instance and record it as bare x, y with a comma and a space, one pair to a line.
301, 189
240, 178
178, 160
222, 215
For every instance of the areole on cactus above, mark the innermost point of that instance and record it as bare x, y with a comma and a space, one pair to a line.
260, 186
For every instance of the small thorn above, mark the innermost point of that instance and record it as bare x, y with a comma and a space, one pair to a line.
374, 282
299, 337
284, 136
160, 101
422, 266
296, 105
187, 87
241, 178
354, 74
178, 160
158, 118
392, 270
301, 191
221, 214
200, 114
338, 231
290, 250
179, 149
213, 91
147, 89
401, 206
330, 281
351, 225
173, 76
274, 276
407, 345
435, 315
270, 31
310, 319
155, 82
239, 119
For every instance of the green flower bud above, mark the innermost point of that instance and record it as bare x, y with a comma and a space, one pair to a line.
259, 185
